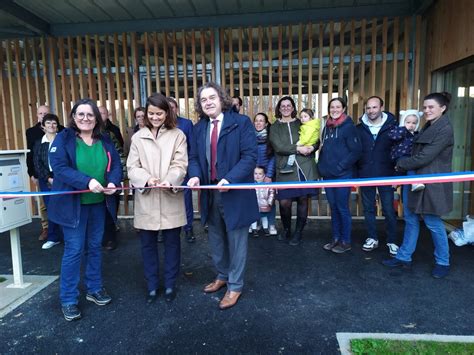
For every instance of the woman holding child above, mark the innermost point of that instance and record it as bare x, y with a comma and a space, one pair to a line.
432, 154
293, 162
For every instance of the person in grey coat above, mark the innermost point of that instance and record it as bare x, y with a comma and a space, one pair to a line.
432, 154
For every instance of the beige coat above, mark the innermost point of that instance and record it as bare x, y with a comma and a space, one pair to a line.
164, 157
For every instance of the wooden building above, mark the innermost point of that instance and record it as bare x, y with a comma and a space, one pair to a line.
118, 52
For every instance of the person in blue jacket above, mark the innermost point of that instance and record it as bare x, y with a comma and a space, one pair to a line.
224, 151
186, 125
82, 158
340, 150
374, 129
265, 159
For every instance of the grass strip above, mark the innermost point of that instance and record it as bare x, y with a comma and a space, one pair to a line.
412, 347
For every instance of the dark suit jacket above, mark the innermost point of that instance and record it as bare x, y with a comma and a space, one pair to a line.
236, 161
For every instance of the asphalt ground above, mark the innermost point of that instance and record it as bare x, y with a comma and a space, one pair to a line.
295, 299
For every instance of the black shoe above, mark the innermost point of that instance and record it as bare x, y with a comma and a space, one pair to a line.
440, 271
170, 294
394, 262
160, 239
190, 238
287, 169
151, 297
100, 298
111, 245
71, 312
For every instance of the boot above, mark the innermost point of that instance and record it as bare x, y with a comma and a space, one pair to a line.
300, 223
286, 234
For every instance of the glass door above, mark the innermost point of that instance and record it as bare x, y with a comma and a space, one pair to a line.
459, 81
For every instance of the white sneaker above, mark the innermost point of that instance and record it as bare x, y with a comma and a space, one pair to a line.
417, 187
49, 245
370, 244
273, 230
392, 248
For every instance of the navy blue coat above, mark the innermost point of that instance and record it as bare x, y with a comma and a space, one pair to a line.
340, 150
376, 159
265, 160
236, 161
186, 125
65, 209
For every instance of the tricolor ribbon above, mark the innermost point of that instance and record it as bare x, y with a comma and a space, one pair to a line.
379, 181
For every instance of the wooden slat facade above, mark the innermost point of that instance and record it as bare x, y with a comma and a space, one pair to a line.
309, 61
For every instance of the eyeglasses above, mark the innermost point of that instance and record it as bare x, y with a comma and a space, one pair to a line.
82, 116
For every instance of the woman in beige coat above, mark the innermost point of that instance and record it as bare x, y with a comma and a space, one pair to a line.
158, 158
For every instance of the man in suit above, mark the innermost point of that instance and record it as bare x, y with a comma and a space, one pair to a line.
186, 126
224, 151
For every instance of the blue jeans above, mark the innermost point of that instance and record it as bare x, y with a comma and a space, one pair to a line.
172, 243
412, 231
83, 241
341, 219
53, 228
368, 201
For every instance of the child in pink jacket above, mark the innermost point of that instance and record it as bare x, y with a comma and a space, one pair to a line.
265, 198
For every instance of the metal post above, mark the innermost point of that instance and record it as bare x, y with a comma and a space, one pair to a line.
411, 76
217, 55
16, 260
51, 75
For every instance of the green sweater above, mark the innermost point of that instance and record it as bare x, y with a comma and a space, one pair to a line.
92, 161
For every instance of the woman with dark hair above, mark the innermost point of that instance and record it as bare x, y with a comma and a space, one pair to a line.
340, 150
82, 158
432, 154
265, 159
283, 137
158, 158
50, 124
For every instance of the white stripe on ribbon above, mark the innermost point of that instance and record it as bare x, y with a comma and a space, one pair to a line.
381, 181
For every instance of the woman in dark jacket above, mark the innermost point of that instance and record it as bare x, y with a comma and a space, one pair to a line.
340, 150
265, 159
83, 158
284, 135
432, 154
50, 124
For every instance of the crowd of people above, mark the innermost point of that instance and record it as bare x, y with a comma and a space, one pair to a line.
165, 156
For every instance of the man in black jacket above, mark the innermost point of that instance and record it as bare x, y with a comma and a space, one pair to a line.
33, 134
373, 130
110, 232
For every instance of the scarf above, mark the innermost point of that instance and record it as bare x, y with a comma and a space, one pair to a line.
261, 136
330, 123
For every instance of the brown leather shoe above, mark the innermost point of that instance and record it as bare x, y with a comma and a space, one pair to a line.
229, 300
214, 286
44, 234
